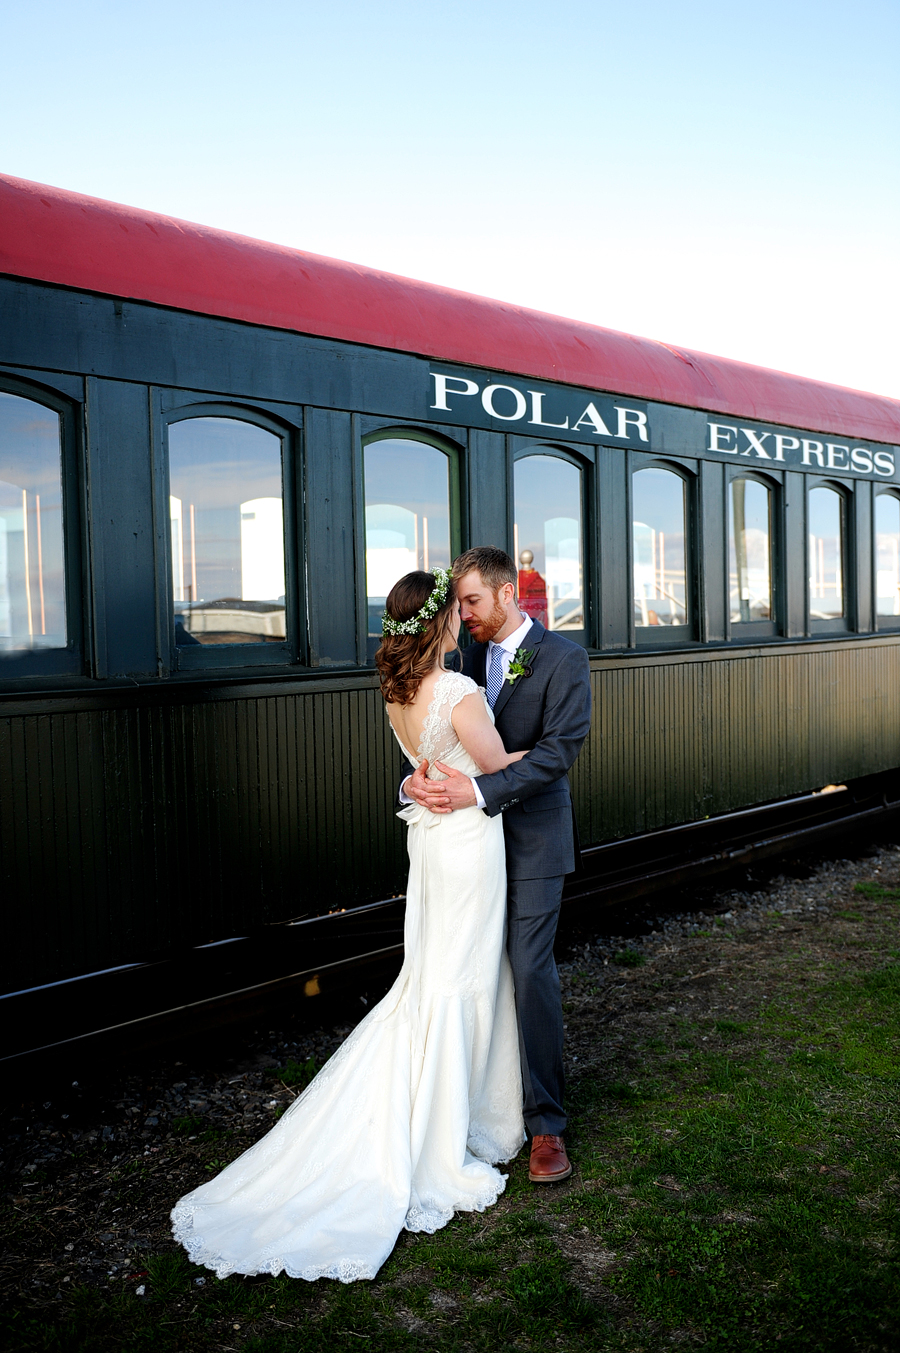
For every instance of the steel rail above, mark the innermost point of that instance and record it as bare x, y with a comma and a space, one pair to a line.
334, 954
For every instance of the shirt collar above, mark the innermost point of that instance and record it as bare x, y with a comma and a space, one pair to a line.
513, 641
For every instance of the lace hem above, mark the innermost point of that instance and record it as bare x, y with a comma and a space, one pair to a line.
432, 1219
418, 1218
487, 1147
344, 1271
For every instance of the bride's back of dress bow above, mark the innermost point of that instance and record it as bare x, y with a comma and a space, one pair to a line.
437, 740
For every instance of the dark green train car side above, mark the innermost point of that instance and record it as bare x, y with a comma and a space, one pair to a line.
215, 458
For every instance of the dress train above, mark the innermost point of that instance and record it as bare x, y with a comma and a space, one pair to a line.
407, 1121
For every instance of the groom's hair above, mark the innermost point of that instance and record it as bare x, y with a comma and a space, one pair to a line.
495, 566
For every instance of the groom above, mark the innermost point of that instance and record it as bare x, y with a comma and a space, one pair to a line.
538, 685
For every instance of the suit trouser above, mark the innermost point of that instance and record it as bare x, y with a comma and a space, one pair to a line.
532, 914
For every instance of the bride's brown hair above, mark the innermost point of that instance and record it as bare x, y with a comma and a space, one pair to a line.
403, 660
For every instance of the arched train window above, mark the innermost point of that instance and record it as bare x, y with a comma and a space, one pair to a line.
749, 551
226, 532
826, 554
407, 486
548, 539
887, 557
32, 553
659, 526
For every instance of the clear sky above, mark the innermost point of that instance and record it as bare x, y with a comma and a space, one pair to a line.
718, 175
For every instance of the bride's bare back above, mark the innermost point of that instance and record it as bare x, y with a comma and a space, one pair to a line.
470, 718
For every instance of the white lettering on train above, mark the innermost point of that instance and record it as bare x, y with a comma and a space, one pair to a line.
755, 443
591, 415
487, 400
783, 444
537, 412
814, 454
442, 388
632, 418
716, 432
508, 404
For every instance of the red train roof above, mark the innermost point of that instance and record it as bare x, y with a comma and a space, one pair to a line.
70, 240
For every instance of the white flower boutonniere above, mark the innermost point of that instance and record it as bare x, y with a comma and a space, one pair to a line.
519, 666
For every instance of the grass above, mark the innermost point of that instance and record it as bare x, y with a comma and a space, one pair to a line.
877, 891
740, 1193
296, 1075
630, 958
188, 1124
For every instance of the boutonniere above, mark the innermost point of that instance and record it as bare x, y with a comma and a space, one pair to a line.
519, 666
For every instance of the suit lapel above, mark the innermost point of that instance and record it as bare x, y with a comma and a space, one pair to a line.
532, 640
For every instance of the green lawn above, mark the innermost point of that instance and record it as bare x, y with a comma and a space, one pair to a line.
738, 1188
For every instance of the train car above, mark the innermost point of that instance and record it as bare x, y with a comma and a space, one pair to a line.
216, 456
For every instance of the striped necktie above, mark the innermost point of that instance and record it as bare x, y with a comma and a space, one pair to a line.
495, 675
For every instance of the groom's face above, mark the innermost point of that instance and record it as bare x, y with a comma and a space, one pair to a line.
481, 610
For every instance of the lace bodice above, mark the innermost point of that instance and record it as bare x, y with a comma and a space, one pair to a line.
439, 741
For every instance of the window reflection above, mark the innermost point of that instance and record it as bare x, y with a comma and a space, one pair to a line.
826, 530
749, 551
547, 541
227, 532
32, 574
887, 554
658, 507
407, 490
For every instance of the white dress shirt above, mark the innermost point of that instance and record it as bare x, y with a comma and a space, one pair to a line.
508, 647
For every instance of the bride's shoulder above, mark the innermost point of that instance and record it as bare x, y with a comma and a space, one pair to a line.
455, 687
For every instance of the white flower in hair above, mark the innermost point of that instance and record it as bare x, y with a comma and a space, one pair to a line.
418, 623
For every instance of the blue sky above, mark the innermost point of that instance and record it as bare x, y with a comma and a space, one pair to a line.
722, 176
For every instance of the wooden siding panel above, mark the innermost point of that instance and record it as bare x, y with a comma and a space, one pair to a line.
130, 832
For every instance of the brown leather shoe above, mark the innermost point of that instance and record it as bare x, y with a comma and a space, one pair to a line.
549, 1163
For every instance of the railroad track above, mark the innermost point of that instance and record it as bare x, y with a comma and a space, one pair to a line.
332, 956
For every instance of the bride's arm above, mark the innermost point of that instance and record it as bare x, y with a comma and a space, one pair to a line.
478, 735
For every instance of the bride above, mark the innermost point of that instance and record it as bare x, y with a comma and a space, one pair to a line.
405, 1124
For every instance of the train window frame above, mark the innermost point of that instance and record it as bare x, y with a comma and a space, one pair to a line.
843, 624
749, 630
882, 623
583, 461
229, 657
71, 661
689, 472
370, 432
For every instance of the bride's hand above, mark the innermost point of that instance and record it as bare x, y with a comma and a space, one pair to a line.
429, 793
458, 788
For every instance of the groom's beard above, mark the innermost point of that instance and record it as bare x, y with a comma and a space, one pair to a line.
483, 630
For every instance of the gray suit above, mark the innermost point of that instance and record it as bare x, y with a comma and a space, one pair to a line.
549, 712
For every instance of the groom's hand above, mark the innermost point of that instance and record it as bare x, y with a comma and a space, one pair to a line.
429, 793
458, 788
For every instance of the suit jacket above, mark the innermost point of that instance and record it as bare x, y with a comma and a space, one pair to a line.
549, 712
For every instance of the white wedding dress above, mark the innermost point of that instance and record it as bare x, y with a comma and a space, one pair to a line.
406, 1122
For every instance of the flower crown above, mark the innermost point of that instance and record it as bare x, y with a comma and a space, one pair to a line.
418, 623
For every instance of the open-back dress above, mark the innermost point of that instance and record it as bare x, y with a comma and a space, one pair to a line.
405, 1124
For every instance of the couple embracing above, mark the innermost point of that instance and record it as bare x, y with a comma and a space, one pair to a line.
406, 1123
